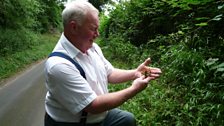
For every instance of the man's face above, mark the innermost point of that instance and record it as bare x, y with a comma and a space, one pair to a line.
88, 31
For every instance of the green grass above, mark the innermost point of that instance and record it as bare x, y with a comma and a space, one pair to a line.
13, 63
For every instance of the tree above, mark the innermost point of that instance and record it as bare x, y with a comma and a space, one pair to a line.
99, 3
16, 14
50, 16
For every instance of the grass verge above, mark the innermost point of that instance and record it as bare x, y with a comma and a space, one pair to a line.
12, 64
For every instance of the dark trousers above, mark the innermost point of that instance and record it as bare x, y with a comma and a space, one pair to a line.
115, 117
48, 121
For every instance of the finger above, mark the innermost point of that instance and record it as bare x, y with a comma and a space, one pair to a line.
147, 62
147, 79
155, 70
154, 75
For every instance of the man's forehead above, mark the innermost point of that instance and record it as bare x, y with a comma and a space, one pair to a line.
93, 20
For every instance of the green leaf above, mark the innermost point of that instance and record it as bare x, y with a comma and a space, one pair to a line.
201, 18
221, 65
180, 32
220, 70
217, 18
218, 66
202, 24
211, 61
220, 7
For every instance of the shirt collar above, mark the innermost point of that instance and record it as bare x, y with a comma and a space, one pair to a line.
69, 47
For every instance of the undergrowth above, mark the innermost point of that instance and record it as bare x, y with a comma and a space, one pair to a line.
15, 61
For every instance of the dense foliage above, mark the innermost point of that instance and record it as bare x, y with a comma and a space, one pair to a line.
21, 20
98, 3
15, 62
186, 40
32, 14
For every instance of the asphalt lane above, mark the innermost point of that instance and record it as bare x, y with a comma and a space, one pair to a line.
22, 98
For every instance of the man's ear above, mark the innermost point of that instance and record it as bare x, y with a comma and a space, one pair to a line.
73, 27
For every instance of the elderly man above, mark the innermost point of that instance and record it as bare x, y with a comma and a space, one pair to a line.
78, 95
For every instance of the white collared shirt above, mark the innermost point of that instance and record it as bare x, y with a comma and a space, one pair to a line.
68, 92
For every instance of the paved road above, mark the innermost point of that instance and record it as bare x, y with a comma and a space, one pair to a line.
22, 99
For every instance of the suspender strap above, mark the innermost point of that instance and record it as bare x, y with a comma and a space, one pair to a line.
83, 118
84, 114
71, 60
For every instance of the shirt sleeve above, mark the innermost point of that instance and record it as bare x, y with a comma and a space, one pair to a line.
68, 87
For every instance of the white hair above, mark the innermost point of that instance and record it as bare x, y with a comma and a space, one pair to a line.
77, 10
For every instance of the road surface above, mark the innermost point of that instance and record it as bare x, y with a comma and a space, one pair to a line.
22, 98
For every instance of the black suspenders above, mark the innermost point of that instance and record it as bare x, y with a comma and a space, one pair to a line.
84, 114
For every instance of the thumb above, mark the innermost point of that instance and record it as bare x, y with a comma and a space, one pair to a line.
147, 62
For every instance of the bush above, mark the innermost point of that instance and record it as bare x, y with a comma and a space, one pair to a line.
12, 41
183, 38
140, 20
18, 14
16, 61
189, 75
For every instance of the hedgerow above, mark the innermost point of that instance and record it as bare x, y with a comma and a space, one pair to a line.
184, 39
